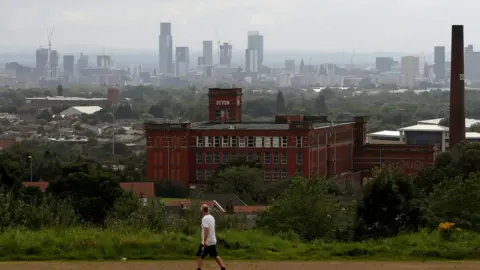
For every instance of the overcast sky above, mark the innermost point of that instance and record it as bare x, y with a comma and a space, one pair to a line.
314, 25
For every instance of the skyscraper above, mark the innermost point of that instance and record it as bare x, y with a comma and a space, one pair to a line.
384, 64
251, 60
41, 62
410, 66
165, 49
225, 54
255, 42
208, 53
82, 63
68, 64
439, 66
182, 61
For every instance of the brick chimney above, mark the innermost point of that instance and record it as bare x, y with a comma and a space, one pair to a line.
457, 88
360, 131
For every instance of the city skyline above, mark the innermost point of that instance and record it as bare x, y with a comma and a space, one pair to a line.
283, 28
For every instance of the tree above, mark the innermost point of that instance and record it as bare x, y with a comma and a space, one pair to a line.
389, 205
308, 209
320, 105
92, 193
280, 103
46, 115
243, 181
156, 110
458, 201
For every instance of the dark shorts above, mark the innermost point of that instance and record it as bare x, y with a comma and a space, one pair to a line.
209, 250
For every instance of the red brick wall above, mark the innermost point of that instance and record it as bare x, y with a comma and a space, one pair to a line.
144, 189
5, 143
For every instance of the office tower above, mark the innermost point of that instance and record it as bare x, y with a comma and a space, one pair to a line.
290, 66
251, 60
165, 49
472, 64
457, 88
410, 67
82, 62
53, 63
384, 64
439, 65
182, 60
69, 64
103, 61
225, 54
208, 53
255, 42
200, 61
41, 62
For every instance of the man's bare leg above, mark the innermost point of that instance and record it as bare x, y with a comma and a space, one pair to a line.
220, 262
199, 262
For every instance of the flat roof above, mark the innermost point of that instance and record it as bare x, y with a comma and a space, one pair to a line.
468, 122
257, 126
59, 98
386, 134
425, 127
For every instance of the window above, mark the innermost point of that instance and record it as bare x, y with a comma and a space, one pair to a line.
275, 158
259, 156
275, 142
284, 142
284, 157
216, 158
225, 157
276, 174
299, 158
250, 142
208, 158
225, 141
267, 141
267, 158
207, 141
266, 174
199, 141
208, 174
233, 155
241, 141
258, 142
200, 175
299, 141
284, 173
216, 141
249, 156
233, 141
199, 158
299, 172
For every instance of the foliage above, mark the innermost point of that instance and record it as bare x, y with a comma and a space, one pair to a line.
309, 210
169, 189
389, 205
244, 181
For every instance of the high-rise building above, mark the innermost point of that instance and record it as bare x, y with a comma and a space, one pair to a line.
439, 67
225, 54
82, 62
69, 64
410, 67
41, 62
53, 63
251, 60
255, 42
103, 61
182, 61
472, 64
165, 49
208, 53
384, 64
290, 66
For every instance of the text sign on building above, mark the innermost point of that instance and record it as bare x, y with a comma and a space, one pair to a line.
223, 102
175, 126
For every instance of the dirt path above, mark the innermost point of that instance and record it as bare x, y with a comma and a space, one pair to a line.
254, 265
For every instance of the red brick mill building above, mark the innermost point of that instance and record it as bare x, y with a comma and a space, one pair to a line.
189, 153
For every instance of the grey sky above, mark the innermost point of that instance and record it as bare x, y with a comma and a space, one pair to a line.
319, 25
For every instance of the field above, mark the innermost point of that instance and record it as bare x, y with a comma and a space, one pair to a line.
253, 265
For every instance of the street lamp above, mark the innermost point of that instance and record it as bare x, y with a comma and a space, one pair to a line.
31, 168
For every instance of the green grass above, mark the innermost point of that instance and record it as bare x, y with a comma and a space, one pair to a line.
95, 244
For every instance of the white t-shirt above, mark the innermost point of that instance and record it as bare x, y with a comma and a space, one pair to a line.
208, 221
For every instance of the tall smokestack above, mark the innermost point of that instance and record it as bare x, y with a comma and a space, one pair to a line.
457, 88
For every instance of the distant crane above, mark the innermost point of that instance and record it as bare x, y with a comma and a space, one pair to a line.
49, 36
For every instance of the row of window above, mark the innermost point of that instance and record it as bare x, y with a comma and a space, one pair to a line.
274, 174
224, 157
246, 141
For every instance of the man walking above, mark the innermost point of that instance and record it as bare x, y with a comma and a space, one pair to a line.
209, 240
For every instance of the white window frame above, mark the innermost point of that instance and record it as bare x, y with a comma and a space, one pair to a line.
267, 142
199, 141
284, 142
258, 142
299, 141
216, 141
207, 141
233, 141
225, 141
241, 141
275, 142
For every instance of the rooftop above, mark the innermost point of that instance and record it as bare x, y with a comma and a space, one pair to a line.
60, 98
468, 122
425, 127
386, 134
252, 126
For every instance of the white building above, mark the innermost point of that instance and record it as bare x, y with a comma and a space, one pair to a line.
79, 110
410, 67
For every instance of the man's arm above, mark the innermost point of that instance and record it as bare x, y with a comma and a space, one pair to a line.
206, 230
